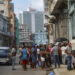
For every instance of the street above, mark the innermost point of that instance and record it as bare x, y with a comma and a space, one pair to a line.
37, 37
6, 70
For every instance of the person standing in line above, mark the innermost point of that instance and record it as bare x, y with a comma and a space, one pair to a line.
42, 48
63, 48
55, 51
30, 59
73, 51
33, 60
43, 56
60, 53
23, 54
35, 53
20, 59
73, 45
13, 56
32, 51
48, 57
68, 51
50, 50
28, 55
38, 53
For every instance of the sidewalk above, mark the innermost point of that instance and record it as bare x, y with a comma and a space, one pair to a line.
63, 71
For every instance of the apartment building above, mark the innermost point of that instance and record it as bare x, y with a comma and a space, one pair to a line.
4, 33
24, 35
33, 19
7, 10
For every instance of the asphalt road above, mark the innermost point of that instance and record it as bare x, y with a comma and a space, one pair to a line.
7, 70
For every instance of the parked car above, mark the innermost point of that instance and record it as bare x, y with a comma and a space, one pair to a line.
5, 55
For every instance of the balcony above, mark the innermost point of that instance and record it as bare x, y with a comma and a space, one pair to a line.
48, 16
5, 33
48, 19
47, 24
9, 6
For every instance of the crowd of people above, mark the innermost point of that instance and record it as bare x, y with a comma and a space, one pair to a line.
36, 55
46, 55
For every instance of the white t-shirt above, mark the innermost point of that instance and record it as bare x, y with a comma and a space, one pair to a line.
38, 51
63, 49
73, 44
13, 50
69, 50
42, 59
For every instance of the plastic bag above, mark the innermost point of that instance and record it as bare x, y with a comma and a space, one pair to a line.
39, 64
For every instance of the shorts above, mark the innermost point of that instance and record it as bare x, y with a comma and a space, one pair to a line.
42, 59
24, 62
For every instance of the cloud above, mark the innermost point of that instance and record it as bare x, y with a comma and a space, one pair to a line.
37, 4
21, 5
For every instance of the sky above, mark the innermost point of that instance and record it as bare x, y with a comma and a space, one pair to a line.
22, 5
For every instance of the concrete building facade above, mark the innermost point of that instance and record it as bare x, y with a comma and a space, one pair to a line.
4, 33
25, 18
7, 10
71, 8
24, 35
56, 14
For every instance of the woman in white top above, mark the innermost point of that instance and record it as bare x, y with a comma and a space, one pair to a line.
38, 53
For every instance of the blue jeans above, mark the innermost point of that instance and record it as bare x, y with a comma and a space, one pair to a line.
56, 61
69, 61
13, 62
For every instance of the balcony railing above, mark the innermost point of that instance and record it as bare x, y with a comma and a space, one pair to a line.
5, 33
